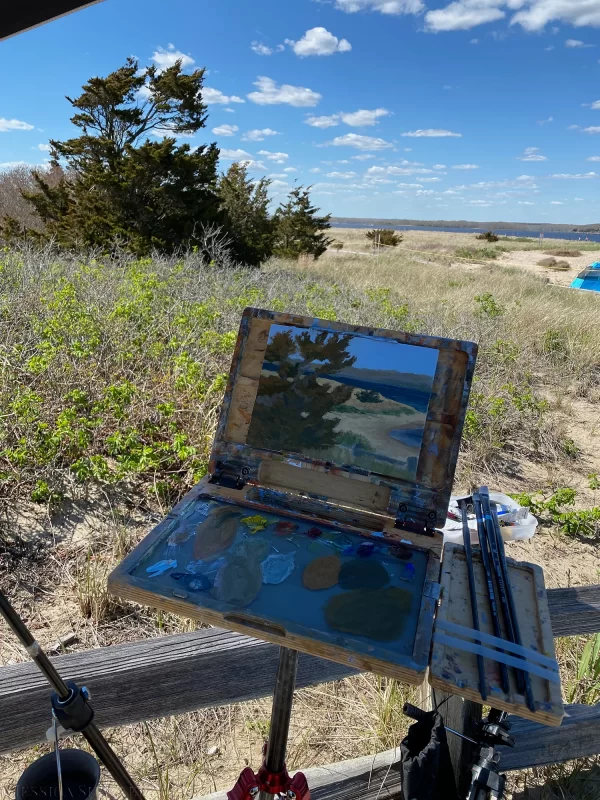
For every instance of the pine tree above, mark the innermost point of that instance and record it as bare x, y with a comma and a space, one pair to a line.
119, 185
246, 204
299, 231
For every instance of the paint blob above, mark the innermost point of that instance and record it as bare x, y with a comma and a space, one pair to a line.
255, 523
378, 614
322, 573
256, 548
361, 574
365, 550
215, 534
401, 551
277, 567
238, 582
161, 566
285, 528
314, 533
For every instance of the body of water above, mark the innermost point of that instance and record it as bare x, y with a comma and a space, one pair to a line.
409, 436
417, 399
591, 237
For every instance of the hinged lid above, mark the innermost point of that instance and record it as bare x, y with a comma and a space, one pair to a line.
356, 416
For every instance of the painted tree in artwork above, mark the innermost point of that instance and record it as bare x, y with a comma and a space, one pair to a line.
292, 403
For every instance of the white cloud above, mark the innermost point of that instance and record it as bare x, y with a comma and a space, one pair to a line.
315, 170
462, 15
474, 41
319, 42
363, 157
229, 110
410, 185
216, 97
323, 122
591, 129
264, 50
556, 203
465, 166
362, 117
533, 15
269, 94
431, 132
225, 130
345, 175
578, 177
435, 166
169, 57
524, 203
593, 158
483, 203
278, 158
14, 125
548, 49
45, 148
545, 121
430, 180
525, 178
393, 170
577, 43
383, 6
279, 184
235, 155
290, 169
277, 175
532, 154
360, 142
13, 164
258, 135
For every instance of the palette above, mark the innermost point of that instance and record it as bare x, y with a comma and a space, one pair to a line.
332, 465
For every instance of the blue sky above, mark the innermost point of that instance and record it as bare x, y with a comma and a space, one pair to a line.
428, 109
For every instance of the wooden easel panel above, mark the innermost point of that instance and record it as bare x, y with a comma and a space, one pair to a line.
288, 613
410, 481
455, 671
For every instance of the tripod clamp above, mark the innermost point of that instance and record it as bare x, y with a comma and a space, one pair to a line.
486, 781
250, 784
74, 712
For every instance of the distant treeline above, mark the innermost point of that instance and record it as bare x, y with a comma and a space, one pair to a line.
464, 223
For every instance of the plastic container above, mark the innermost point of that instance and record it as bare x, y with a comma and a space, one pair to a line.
520, 523
80, 777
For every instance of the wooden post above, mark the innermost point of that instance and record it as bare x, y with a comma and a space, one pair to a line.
463, 716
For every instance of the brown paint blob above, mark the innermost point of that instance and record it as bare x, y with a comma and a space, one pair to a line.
215, 534
378, 614
363, 574
322, 573
238, 582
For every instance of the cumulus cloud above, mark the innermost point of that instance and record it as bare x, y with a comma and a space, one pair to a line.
216, 97
278, 158
319, 42
532, 15
291, 169
575, 43
14, 125
363, 157
593, 158
225, 130
169, 57
279, 184
431, 132
524, 203
323, 122
345, 175
270, 94
261, 49
235, 155
556, 203
532, 154
360, 142
430, 180
545, 121
591, 129
315, 170
45, 148
258, 135
465, 166
383, 6
362, 117
578, 177
393, 170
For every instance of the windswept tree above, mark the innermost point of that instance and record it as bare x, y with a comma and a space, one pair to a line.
120, 185
246, 205
299, 229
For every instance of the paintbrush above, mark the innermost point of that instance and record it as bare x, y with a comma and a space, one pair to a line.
472, 592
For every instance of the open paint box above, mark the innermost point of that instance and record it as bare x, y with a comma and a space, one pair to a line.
331, 468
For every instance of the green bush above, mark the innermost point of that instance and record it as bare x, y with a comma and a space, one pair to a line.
384, 236
488, 236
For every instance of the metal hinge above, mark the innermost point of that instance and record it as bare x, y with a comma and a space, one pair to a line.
231, 476
416, 521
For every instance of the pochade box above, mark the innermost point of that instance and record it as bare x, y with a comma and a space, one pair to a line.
331, 467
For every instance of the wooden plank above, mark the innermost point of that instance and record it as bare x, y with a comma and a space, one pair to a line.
454, 670
575, 610
149, 679
202, 669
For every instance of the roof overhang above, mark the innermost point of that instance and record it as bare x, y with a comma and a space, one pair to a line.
22, 15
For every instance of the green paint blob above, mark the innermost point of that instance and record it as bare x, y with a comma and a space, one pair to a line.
363, 574
378, 614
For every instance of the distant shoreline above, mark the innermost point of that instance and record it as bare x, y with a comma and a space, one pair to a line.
484, 226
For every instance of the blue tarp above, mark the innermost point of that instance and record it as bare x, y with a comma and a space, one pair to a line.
588, 279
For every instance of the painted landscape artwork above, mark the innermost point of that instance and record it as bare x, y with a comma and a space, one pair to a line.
348, 399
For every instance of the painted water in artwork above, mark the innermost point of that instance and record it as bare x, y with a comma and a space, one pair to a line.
348, 399
321, 582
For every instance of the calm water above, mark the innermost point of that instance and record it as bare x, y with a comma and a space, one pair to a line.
592, 237
412, 437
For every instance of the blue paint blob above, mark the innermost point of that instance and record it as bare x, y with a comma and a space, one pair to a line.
365, 550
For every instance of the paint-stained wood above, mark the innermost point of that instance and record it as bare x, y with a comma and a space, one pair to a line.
422, 501
454, 670
575, 610
318, 483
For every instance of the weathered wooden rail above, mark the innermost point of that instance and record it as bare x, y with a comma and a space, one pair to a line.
174, 674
